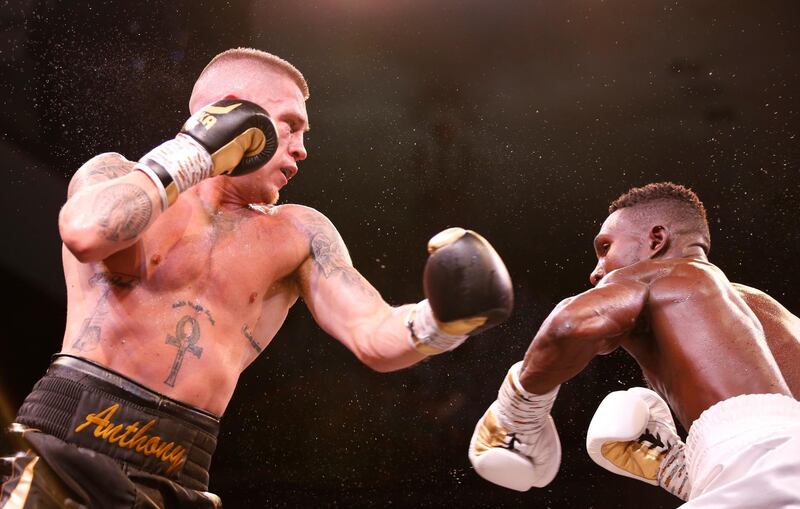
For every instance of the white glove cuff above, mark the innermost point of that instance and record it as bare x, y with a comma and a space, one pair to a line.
426, 336
175, 166
521, 411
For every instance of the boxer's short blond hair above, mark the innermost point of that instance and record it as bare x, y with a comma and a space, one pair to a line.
263, 57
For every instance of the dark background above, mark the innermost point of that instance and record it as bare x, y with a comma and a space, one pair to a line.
519, 119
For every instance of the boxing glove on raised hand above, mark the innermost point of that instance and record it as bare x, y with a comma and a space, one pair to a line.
231, 136
632, 434
467, 289
515, 444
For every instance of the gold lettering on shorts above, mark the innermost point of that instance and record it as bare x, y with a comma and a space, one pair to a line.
134, 436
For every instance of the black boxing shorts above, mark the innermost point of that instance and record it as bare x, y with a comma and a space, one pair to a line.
99, 439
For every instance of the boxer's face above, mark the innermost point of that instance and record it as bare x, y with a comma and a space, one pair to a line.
283, 99
619, 243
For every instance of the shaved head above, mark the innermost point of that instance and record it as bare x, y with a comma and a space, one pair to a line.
236, 70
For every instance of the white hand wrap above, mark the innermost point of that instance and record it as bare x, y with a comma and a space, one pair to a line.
632, 434
426, 335
175, 166
673, 474
515, 443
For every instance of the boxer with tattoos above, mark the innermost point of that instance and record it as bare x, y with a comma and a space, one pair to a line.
181, 268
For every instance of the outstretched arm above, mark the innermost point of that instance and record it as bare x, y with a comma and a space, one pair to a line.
388, 338
579, 328
347, 306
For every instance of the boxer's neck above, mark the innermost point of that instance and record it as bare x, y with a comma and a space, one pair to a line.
216, 196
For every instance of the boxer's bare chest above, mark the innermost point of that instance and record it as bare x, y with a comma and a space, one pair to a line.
226, 257
208, 289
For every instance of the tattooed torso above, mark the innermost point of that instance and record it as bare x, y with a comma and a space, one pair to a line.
199, 296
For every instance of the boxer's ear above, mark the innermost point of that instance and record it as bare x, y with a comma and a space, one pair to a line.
659, 240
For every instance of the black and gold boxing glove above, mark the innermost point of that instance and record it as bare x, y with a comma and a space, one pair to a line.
467, 288
227, 137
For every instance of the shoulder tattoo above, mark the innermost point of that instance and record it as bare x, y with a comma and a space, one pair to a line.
329, 255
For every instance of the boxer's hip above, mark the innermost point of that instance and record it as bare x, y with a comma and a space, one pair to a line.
85, 404
735, 439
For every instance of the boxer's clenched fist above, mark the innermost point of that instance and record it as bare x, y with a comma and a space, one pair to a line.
515, 443
467, 288
632, 434
231, 136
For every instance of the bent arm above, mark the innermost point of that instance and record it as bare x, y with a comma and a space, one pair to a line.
108, 207
347, 306
580, 328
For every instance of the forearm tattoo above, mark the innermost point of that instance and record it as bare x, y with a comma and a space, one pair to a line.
187, 336
123, 211
330, 258
90, 333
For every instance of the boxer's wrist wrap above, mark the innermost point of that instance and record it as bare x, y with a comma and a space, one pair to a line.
175, 166
520, 411
426, 336
673, 475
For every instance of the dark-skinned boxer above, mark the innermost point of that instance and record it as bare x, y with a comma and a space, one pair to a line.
180, 269
724, 357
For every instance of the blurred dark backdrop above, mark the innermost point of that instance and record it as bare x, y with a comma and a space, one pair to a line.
521, 120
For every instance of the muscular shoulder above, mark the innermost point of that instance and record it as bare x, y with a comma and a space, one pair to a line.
689, 279
302, 215
316, 229
760, 302
670, 277
646, 271
751, 293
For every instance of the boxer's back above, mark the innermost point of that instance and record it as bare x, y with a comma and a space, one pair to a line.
782, 329
704, 344
187, 308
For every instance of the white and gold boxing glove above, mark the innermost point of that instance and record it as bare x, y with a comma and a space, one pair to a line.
515, 443
632, 434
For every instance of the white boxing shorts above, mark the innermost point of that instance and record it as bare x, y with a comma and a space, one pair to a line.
744, 452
